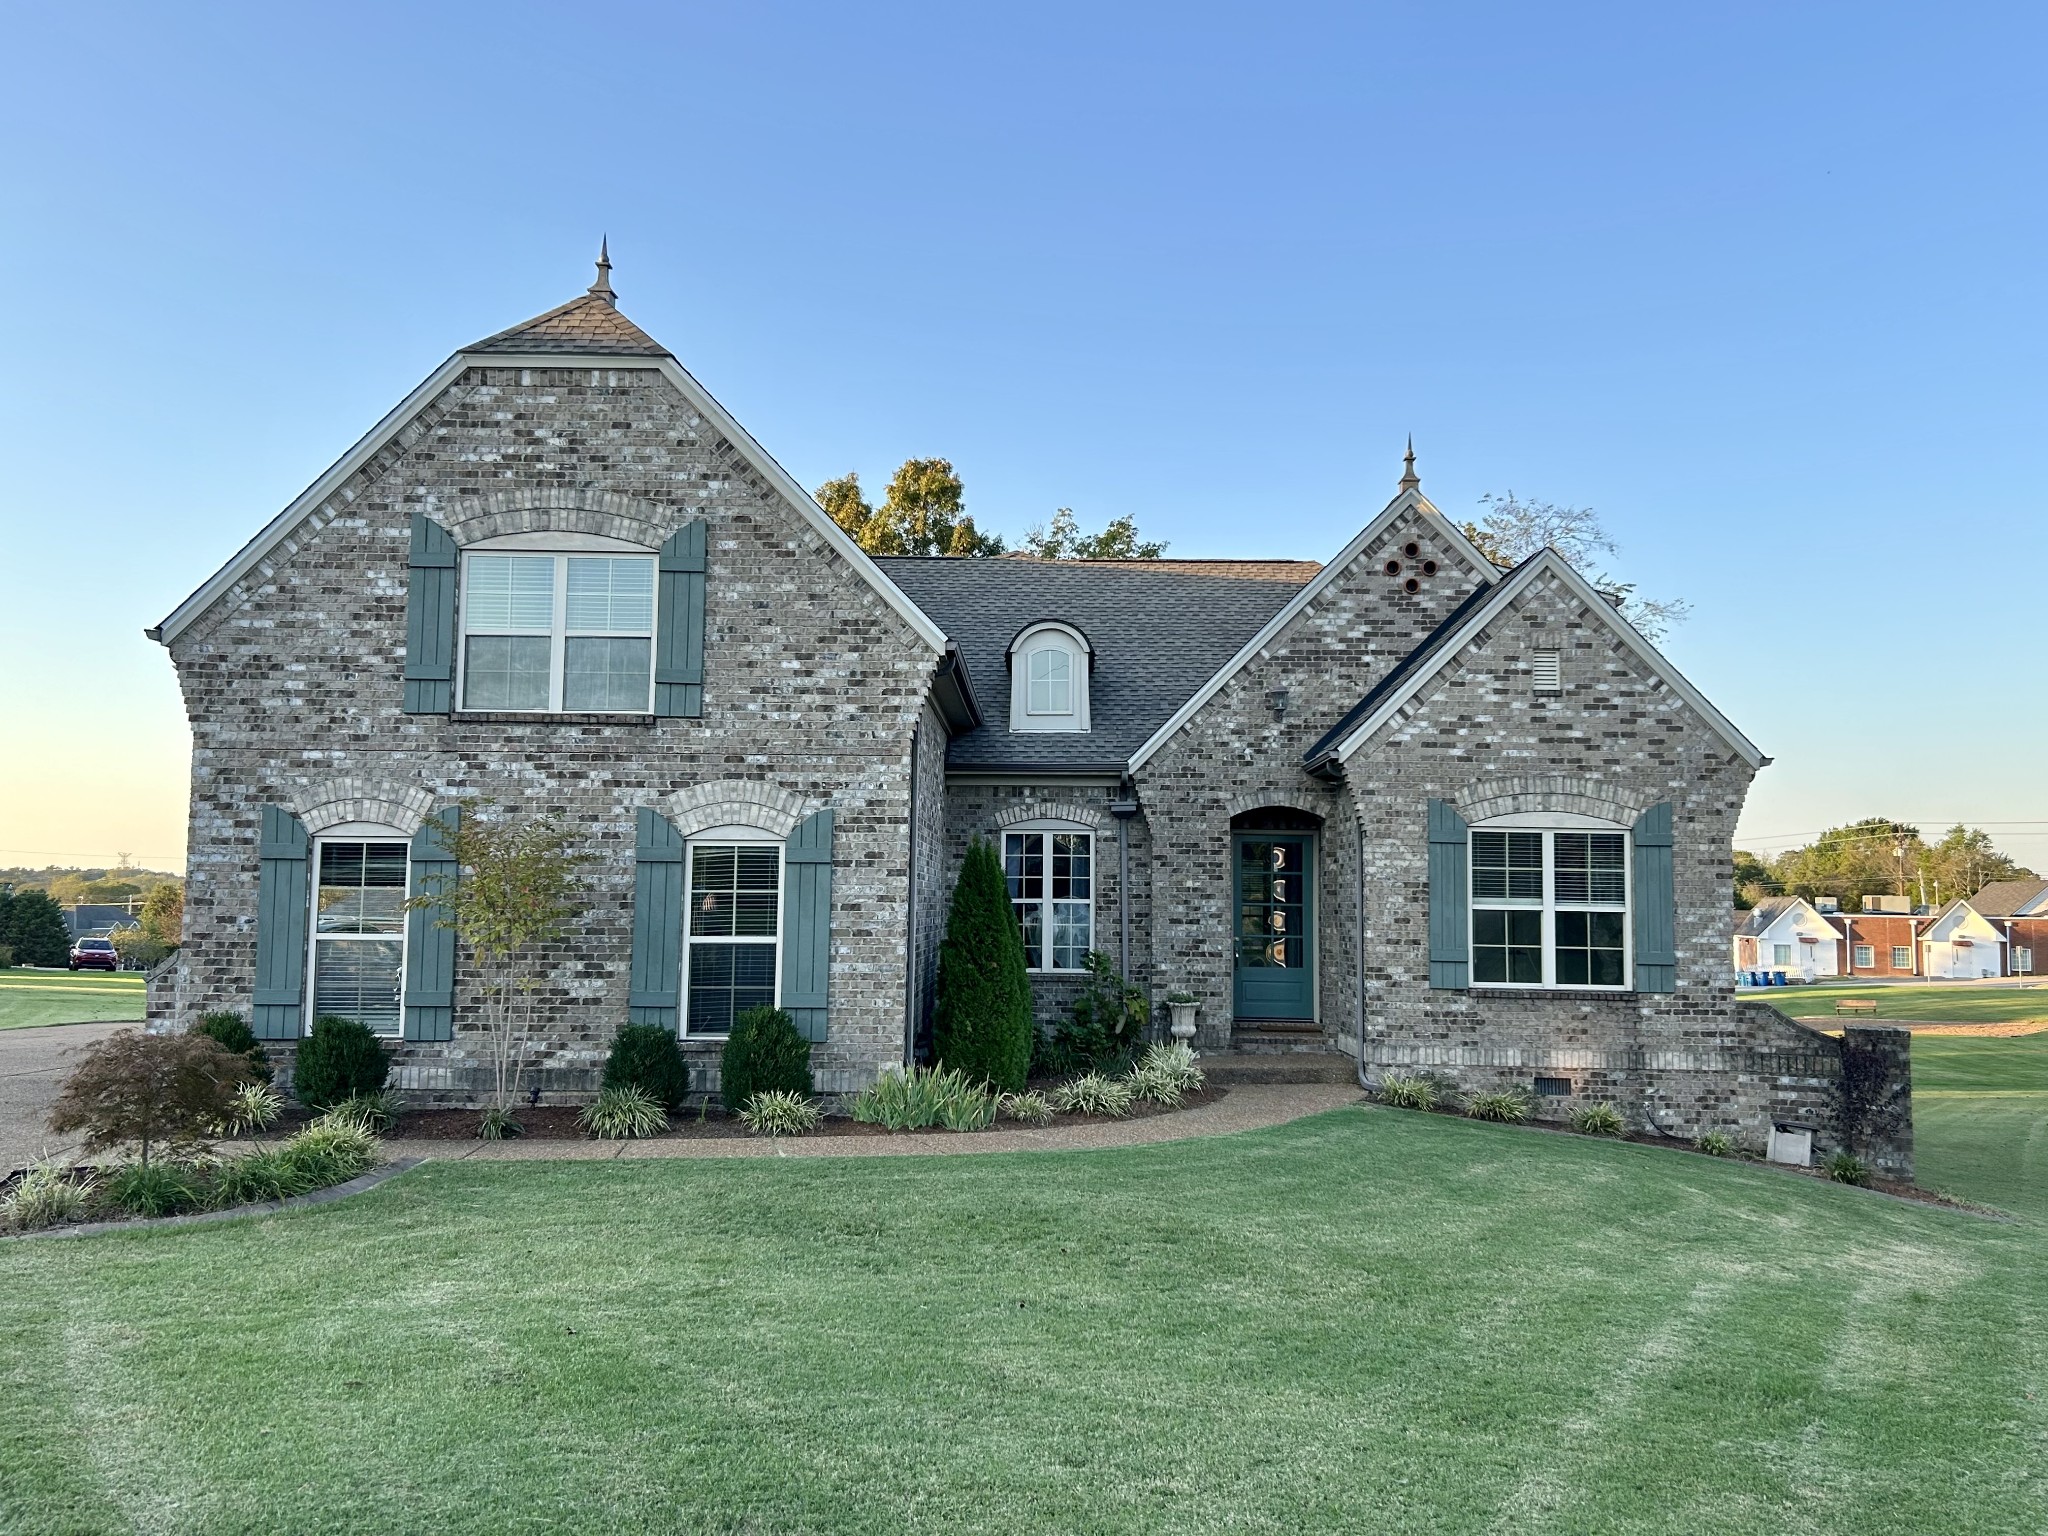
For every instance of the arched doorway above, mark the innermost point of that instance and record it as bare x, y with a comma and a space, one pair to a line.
1273, 868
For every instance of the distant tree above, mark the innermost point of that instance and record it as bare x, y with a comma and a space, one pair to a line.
1753, 880
1062, 539
1870, 857
111, 891
1511, 530
153, 1089
1964, 862
163, 915
36, 931
922, 513
846, 506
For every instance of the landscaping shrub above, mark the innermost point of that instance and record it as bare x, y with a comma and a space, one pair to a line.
46, 1195
496, 1124
36, 931
1847, 1168
649, 1057
780, 1112
157, 1090
763, 1054
622, 1111
6, 956
1093, 1094
1407, 1092
1506, 1105
1029, 1108
375, 1112
233, 1033
254, 1107
981, 1015
1167, 1074
156, 1189
1715, 1144
339, 1060
267, 1173
967, 1107
1598, 1120
1103, 1029
329, 1151
922, 1097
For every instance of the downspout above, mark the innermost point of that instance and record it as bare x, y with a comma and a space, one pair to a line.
1123, 809
1359, 948
911, 966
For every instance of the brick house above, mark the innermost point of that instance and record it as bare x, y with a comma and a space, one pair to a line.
2019, 909
1401, 804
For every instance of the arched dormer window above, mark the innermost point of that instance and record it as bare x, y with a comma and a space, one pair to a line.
1049, 667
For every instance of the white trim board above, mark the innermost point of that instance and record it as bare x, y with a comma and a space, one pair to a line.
266, 542
1407, 501
1549, 562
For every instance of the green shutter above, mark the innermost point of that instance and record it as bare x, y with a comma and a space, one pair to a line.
1656, 905
679, 625
1450, 898
657, 979
282, 902
430, 619
430, 946
807, 923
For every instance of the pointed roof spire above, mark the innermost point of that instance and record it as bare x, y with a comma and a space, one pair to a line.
602, 288
1410, 481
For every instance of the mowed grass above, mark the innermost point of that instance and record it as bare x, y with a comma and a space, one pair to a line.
32, 998
1365, 1321
1980, 1118
1961, 1002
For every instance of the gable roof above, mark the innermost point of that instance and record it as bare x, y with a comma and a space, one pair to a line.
2009, 898
1409, 499
550, 340
1766, 914
1545, 562
1157, 630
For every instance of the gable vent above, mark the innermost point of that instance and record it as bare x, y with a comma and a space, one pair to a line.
1545, 676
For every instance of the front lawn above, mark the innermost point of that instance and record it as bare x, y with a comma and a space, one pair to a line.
1980, 1118
29, 998
1960, 1002
1369, 1320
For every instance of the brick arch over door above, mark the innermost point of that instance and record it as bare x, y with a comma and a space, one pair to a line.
736, 803
380, 802
1545, 792
558, 509
1280, 800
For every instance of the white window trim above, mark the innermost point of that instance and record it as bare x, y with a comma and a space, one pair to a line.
1044, 829
352, 832
559, 546
1863, 957
1899, 964
1549, 906
1781, 954
1080, 659
726, 837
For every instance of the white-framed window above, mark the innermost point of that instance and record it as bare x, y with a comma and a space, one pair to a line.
1051, 873
1049, 667
1866, 957
1781, 954
2022, 960
358, 929
732, 941
564, 630
1550, 903
1902, 957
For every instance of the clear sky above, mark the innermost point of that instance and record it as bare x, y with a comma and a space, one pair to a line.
1760, 283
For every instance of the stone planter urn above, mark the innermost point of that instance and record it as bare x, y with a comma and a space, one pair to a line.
1183, 1014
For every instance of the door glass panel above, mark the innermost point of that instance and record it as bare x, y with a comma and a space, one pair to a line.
1272, 886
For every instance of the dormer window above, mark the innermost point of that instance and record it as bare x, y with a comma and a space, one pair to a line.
1049, 666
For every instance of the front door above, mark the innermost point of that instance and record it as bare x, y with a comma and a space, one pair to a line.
1274, 977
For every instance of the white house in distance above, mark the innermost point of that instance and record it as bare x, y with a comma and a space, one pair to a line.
1789, 934
1962, 943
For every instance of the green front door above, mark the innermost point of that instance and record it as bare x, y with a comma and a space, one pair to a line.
1274, 976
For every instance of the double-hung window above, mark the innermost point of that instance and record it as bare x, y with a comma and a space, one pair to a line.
1902, 957
1866, 957
558, 632
359, 932
1052, 889
1549, 907
732, 943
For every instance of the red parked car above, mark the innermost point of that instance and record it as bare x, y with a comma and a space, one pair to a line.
94, 955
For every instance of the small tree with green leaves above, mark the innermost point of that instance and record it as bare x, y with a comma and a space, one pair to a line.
156, 1090
515, 891
982, 1013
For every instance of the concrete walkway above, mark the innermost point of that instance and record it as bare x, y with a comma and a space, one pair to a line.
1244, 1108
33, 1066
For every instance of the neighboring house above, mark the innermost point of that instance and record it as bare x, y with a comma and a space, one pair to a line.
1960, 943
87, 920
1401, 803
1882, 943
1789, 934
2019, 908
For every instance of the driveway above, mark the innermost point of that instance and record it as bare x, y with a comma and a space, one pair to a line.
33, 1064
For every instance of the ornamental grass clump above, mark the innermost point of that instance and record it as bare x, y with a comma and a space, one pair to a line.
330, 1151
1504, 1104
1407, 1092
967, 1107
780, 1112
264, 1174
1093, 1094
919, 1098
1847, 1168
1598, 1120
621, 1113
46, 1195
1715, 1144
253, 1109
374, 1112
1166, 1074
496, 1123
156, 1189
1027, 1108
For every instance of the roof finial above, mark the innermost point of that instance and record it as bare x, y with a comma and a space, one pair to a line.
1410, 481
602, 288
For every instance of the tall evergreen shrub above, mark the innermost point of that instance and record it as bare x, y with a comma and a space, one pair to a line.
36, 931
231, 1031
763, 1054
650, 1058
982, 1015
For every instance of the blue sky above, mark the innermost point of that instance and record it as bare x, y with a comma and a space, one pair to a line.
1761, 284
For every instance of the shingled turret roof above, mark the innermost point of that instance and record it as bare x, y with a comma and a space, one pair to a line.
589, 324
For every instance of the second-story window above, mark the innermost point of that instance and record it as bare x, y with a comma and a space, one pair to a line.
561, 633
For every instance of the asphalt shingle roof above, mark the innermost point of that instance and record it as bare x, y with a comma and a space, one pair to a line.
2002, 898
589, 323
1159, 630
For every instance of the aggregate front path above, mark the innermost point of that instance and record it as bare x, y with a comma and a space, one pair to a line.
1246, 1107
33, 1066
